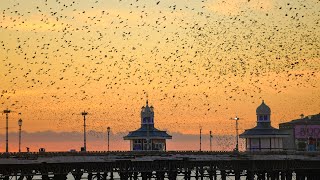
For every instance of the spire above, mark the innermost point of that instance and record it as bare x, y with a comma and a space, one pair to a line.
146, 99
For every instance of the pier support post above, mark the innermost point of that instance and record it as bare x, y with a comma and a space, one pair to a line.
45, 177
105, 175
197, 173
60, 177
223, 175
160, 175
111, 175
77, 175
123, 175
135, 176
210, 173
250, 175
237, 175
98, 176
283, 175
90, 176
289, 175
201, 173
29, 177
187, 174
144, 175
172, 175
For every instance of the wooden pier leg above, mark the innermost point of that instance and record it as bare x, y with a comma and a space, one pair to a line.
21, 178
45, 177
149, 174
197, 173
250, 175
210, 172
159, 175
215, 177
60, 177
123, 175
90, 176
144, 175
172, 175
283, 175
105, 175
135, 175
111, 175
29, 177
98, 176
201, 173
289, 175
77, 175
223, 175
237, 175
187, 175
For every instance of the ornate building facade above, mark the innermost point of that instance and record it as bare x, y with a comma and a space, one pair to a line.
147, 137
264, 137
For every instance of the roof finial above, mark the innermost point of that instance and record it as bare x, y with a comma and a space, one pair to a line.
147, 99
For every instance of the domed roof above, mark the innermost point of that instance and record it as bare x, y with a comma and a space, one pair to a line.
263, 109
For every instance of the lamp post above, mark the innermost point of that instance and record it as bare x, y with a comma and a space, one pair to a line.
84, 113
210, 140
200, 136
237, 133
20, 124
108, 130
7, 111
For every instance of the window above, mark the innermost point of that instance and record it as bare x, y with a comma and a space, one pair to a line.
266, 118
260, 118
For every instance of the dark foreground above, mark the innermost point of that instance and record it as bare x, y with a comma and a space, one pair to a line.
161, 165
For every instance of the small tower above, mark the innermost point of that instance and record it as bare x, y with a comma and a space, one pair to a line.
147, 116
263, 114
147, 137
263, 137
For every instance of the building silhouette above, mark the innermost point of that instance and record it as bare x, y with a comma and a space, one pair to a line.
264, 137
304, 133
147, 137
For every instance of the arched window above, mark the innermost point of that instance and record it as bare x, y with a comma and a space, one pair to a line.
260, 117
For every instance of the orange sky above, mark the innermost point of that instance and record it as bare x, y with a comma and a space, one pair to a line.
200, 63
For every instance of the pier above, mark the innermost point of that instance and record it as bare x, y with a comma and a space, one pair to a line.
169, 165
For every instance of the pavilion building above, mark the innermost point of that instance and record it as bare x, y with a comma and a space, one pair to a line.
304, 133
264, 137
147, 137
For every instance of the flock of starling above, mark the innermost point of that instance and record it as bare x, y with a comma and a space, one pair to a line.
195, 59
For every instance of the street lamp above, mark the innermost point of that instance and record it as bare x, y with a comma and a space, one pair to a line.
108, 130
200, 137
84, 113
20, 124
210, 140
237, 133
7, 111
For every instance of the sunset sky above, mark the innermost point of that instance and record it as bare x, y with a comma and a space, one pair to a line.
200, 62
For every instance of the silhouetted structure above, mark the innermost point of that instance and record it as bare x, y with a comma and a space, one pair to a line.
160, 165
147, 137
84, 113
20, 124
304, 133
7, 112
263, 137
